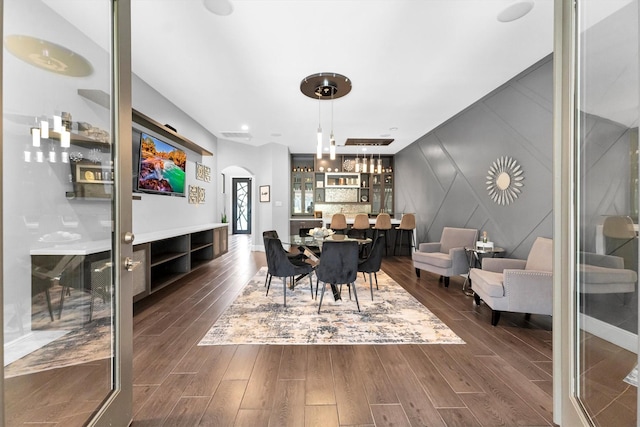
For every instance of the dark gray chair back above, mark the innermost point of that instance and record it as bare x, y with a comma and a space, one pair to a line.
372, 263
338, 263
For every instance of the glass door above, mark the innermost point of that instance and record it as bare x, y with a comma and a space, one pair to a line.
241, 205
606, 150
66, 209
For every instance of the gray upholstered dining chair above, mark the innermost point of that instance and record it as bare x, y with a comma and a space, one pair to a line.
279, 265
294, 257
338, 266
446, 257
371, 264
516, 285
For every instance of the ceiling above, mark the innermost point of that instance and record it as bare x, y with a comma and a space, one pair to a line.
413, 64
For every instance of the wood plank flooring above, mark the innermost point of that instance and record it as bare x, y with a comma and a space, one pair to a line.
501, 376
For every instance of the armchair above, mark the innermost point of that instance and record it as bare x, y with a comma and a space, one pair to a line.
447, 257
605, 274
521, 286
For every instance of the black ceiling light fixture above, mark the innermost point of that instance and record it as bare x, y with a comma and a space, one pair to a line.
323, 86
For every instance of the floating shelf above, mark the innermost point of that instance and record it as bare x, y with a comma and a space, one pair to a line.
102, 98
151, 124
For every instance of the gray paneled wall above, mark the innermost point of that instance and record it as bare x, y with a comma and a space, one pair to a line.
442, 176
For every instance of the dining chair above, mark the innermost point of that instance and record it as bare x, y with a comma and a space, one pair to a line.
360, 226
372, 263
296, 258
338, 223
407, 223
381, 228
280, 265
338, 265
44, 278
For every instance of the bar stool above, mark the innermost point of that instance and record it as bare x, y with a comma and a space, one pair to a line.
381, 227
407, 223
360, 226
338, 223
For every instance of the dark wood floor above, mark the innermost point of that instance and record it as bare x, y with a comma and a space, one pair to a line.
501, 376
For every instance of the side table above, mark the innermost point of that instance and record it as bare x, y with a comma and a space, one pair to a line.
475, 256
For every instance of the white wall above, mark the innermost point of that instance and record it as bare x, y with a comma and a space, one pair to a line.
158, 212
267, 165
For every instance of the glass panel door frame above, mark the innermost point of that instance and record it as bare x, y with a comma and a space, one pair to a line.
117, 407
568, 408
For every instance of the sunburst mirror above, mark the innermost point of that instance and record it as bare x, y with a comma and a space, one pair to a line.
504, 182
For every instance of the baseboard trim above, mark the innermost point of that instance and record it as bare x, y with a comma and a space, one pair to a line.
610, 333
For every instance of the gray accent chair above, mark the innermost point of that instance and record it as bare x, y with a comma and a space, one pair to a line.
605, 274
447, 257
516, 285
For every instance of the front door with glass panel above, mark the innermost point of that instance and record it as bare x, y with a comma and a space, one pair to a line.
241, 205
59, 198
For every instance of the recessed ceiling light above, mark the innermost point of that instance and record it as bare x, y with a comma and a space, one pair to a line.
245, 127
393, 129
219, 7
515, 11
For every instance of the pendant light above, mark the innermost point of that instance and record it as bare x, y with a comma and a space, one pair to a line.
357, 163
379, 164
319, 135
325, 86
364, 163
332, 140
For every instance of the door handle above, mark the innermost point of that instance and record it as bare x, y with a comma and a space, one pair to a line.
130, 264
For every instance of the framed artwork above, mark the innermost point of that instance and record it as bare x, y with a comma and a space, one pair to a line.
265, 193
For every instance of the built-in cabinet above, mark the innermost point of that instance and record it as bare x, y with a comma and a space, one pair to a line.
341, 182
166, 260
302, 193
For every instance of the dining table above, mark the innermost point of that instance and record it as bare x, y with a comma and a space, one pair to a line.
311, 246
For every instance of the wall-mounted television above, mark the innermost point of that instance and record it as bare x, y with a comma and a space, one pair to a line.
161, 168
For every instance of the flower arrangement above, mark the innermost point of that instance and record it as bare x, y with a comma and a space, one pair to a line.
320, 232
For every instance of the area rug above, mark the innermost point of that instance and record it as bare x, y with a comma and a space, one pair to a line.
393, 317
